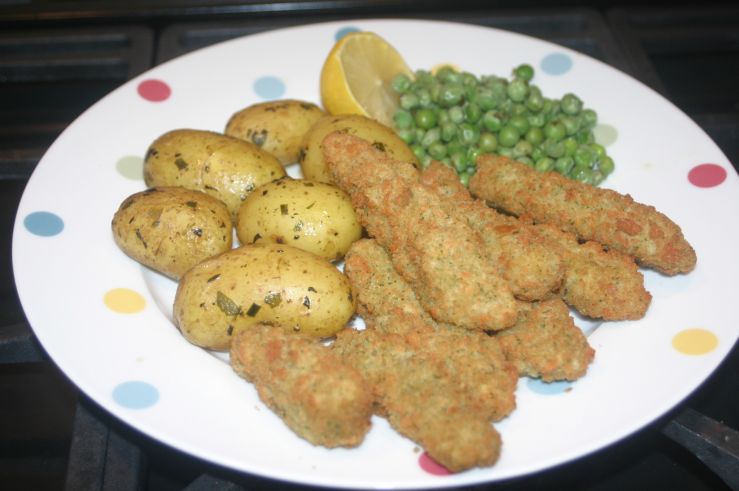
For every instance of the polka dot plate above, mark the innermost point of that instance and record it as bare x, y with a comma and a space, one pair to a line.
106, 321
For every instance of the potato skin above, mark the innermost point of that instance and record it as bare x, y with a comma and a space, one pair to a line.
261, 283
221, 166
312, 162
171, 229
313, 216
276, 126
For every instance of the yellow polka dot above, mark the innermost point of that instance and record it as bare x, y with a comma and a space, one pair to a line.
124, 301
695, 341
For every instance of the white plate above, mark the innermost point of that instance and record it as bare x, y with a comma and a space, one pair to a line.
73, 281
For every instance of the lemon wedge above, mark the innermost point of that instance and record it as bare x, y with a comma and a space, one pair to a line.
357, 76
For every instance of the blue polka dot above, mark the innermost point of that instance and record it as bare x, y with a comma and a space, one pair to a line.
548, 388
269, 87
135, 394
344, 31
556, 64
43, 223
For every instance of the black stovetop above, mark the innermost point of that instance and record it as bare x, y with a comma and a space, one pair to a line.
57, 57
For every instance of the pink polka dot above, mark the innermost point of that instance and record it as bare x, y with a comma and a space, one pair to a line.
431, 466
154, 90
707, 175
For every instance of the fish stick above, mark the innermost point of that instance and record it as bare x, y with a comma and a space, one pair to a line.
320, 398
436, 252
598, 214
531, 268
557, 349
419, 401
597, 283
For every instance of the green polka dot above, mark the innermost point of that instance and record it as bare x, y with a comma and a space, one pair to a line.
131, 167
605, 134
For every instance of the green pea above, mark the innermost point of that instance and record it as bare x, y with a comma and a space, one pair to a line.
492, 122
584, 156
505, 152
598, 150
472, 113
582, 174
517, 90
451, 95
544, 165
524, 71
407, 135
472, 154
553, 148
425, 118
522, 148
403, 119
424, 97
564, 164
437, 150
456, 114
571, 124
409, 101
485, 99
508, 136
401, 83
553, 130
588, 119
526, 160
448, 131
537, 120
534, 102
537, 153
459, 161
571, 104
432, 136
570, 145
468, 134
520, 123
419, 151
426, 161
469, 79
534, 136
606, 165
488, 142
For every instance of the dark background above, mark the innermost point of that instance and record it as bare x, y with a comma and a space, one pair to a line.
57, 57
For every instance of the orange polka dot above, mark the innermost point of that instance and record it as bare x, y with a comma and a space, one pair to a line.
695, 341
124, 301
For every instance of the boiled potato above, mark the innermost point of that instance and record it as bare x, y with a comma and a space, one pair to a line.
276, 126
313, 216
261, 283
224, 167
171, 229
311, 158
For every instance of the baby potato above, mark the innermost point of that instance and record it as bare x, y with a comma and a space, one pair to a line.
171, 229
261, 283
312, 163
221, 166
313, 216
276, 126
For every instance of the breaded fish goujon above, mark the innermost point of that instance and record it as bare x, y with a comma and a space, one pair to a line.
602, 215
318, 396
438, 253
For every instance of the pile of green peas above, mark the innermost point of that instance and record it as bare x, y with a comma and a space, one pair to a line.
454, 117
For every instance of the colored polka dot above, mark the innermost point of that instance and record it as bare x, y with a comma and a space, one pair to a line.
695, 341
154, 90
605, 134
135, 394
344, 31
548, 388
124, 301
431, 466
556, 64
269, 87
131, 167
43, 223
707, 175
